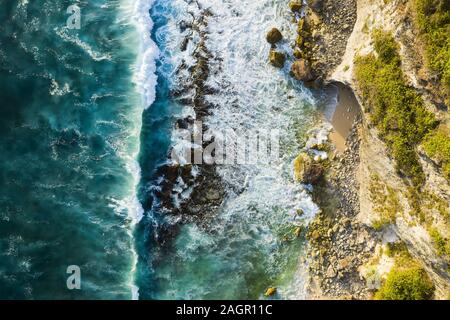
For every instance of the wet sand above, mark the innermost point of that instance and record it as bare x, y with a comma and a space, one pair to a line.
345, 113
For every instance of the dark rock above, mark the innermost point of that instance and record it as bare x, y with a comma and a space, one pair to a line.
313, 173
184, 123
301, 70
296, 5
316, 5
274, 36
277, 59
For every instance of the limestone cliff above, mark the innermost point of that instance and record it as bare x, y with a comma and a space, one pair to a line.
375, 163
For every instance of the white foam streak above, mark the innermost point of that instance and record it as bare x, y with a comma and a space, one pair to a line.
145, 78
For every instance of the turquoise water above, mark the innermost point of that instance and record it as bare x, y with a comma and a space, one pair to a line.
84, 126
70, 118
242, 250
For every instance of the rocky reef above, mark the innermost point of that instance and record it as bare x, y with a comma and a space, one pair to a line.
189, 192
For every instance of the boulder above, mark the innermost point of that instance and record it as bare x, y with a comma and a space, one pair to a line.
313, 174
270, 291
316, 5
305, 170
213, 195
301, 26
274, 36
277, 59
296, 5
171, 172
301, 70
298, 54
298, 231
331, 273
300, 164
299, 41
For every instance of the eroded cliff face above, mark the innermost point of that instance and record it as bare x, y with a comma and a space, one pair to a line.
377, 172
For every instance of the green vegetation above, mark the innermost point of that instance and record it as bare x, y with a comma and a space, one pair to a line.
437, 146
385, 201
441, 244
433, 17
433, 202
397, 249
406, 283
407, 280
386, 47
396, 109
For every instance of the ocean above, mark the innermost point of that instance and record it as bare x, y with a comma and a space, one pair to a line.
87, 118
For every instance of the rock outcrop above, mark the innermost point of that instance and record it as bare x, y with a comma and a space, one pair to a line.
274, 36
277, 58
344, 33
302, 71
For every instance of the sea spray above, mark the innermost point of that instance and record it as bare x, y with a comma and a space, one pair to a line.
249, 244
145, 75
145, 79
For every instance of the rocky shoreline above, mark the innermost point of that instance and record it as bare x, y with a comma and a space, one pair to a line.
323, 28
338, 244
338, 261
188, 192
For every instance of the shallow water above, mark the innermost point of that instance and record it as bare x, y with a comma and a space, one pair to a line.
242, 250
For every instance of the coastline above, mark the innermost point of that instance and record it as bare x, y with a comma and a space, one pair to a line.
367, 157
341, 238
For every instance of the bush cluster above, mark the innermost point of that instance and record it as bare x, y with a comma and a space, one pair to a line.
410, 283
434, 22
396, 109
437, 146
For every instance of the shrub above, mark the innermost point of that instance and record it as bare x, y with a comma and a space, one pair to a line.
385, 203
440, 243
386, 47
395, 108
437, 146
410, 283
433, 17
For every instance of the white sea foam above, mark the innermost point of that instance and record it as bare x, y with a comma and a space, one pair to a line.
251, 95
74, 39
145, 78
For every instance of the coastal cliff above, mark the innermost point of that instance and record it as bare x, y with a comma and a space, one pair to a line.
387, 218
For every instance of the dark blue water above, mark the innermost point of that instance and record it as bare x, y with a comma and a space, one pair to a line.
155, 140
69, 119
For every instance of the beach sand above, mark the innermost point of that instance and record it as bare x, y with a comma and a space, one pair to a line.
346, 111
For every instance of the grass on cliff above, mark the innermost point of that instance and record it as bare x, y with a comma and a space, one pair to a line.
437, 146
396, 109
407, 280
385, 202
433, 17
411, 283
441, 244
